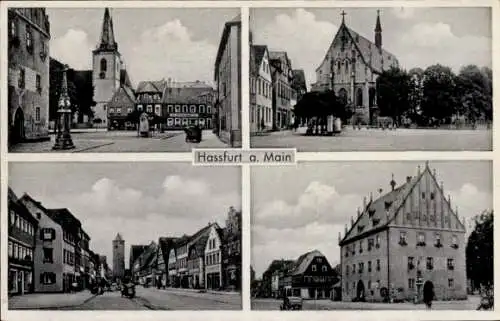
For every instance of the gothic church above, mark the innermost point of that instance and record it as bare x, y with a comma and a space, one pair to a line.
351, 67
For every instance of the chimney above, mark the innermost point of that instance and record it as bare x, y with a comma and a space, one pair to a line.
364, 203
345, 229
352, 222
408, 179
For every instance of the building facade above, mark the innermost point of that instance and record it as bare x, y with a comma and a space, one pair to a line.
231, 251
310, 277
22, 232
213, 259
350, 68
165, 245
118, 257
228, 81
282, 75
403, 242
121, 105
28, 74
277, 267
261, 89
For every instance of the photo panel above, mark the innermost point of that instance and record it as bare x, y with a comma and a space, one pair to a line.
123, 236
384, 235
371, 78
123, 79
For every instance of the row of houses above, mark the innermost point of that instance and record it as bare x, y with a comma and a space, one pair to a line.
208, 259
48, 249
275, 88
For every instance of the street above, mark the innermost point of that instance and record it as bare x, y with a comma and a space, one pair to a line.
272, 304
380, 140
146, 299
125, 141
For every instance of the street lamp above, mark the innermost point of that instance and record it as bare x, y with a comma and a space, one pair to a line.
63, 139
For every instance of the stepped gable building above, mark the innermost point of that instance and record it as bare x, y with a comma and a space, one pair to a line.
404, 241
350, 68
108, 72
188, 104
22, 231
118, 257
310, 277
28, 74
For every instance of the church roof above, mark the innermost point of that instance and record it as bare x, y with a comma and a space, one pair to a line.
376, 59
302, 263
384, 209
107, 40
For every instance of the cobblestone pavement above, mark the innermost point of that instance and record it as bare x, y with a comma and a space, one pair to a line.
271, 304
380, 140
48, 300
125, 141
187, 300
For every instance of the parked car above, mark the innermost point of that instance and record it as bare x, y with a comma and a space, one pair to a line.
291, 303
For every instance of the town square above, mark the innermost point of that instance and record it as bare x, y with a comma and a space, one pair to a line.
371, 79
124, 237
87, 80
421, 238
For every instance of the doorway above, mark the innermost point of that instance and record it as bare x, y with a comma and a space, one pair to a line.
360, 291
17, 133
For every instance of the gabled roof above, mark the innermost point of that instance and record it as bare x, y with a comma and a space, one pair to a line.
166, 244
236, 21
19, 206
150, 87
123, 95
384, 209
186, 92
65, 218
371, 56
302, 263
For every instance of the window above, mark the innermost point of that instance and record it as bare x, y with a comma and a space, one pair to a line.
139, 107
38, 83
177, 108
353, 268
411, 263
411, 284
451, 283
18, 222
421, 239
324, 268
454, 242
370, 244
347, 269
347, 251
193, 109
209, 109
184, 108
432, 196
11, 249
438, 240
430, 263
29, 40
451, 264
360, 246
378, 265
47, 234
423, 195
369, 266
48, 255
202, 109
104, 65
149, 108
47, 278
21, 80
361, 267
12, 218
402, 239
13, 28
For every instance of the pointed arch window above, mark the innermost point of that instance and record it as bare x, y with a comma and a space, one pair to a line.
359, 97
103, 67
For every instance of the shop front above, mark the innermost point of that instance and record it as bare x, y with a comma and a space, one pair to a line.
20, 280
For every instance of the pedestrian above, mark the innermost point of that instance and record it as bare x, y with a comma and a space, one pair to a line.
428, 296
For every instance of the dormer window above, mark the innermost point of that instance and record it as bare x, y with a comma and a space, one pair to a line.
387, 205
371, 212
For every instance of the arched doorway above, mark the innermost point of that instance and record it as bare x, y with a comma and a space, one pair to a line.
18, 126
342, 94
360, 291
359, 97
428, 291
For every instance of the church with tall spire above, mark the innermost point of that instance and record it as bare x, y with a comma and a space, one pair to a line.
109, 75
350, 68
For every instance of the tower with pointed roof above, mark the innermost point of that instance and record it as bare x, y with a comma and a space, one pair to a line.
106, 68
404, 241
351, 66
118, 257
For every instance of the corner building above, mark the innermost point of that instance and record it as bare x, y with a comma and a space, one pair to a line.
403, 242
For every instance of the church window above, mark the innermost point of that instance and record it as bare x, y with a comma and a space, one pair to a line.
103, 67
359, 97
347, 66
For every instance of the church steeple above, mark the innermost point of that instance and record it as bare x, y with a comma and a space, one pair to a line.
107, 41
378, 32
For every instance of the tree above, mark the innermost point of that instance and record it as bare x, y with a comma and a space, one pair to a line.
84, 98
415, 93
393, 88
439, 93
474, 93
479, 251
319, 105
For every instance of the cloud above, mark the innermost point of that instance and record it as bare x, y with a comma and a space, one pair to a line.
293, 34
183, 205
404, 12
169, 51
428, 43
74, 49
288, 229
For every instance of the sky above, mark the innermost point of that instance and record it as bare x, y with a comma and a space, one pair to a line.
312, 202
419, 37
141, 201
162, 43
